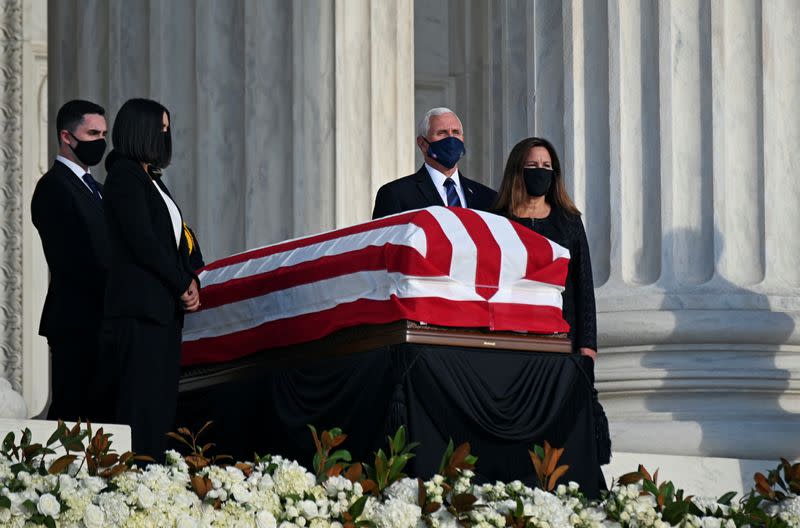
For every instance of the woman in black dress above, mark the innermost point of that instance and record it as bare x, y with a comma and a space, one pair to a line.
533, 193
150, 282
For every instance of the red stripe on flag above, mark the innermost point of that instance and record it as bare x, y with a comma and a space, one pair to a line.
435, 237
553, 273
390, 257
315, 239
540, 252
528, 318
487, 276
316, 325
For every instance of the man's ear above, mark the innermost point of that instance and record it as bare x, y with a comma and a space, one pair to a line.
421, 143
63, 136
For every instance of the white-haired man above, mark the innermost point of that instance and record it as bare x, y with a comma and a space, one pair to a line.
440, 138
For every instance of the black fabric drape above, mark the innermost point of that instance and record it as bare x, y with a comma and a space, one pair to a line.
502, 402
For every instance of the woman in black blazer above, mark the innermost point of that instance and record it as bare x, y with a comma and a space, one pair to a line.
150, 283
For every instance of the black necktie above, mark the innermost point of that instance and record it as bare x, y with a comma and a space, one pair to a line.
93, 186
452, 195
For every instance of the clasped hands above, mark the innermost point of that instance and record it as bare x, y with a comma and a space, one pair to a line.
191, 297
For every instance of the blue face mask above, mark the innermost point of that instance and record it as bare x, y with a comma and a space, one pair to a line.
446, 151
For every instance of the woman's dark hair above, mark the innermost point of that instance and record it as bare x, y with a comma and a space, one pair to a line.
513, 195
137, 132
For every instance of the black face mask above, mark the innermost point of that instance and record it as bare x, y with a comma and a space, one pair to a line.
166, 152
537, 180
89, 152
446, 151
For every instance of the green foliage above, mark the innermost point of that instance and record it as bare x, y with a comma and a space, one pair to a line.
325, 463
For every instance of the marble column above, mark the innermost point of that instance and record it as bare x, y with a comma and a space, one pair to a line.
287, 116
23, 277
676, 123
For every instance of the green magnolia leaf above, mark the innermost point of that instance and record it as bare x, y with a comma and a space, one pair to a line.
695, 510
675, 512
20, 466
5, 502
358, 507
520, 509
380, 465
58, 434
539, 450
341, 454
8, 441
669, 492
399, 440
26, 438
446, 457
413, 445
649, 487
727, 498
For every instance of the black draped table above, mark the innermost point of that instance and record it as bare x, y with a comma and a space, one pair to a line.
501, 392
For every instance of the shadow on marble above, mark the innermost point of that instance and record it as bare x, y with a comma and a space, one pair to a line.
719, 384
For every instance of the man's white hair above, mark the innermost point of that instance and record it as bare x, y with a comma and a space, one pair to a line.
424, 125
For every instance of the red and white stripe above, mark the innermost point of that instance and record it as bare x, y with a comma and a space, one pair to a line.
444, 266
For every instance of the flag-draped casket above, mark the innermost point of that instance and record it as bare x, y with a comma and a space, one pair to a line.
442, 266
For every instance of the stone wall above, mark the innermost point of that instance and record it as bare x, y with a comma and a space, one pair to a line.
287, 116
677, 126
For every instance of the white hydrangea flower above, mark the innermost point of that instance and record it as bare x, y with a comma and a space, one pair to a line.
396, 513
335, 485
406, 489
145, 498
292, 479
94, 484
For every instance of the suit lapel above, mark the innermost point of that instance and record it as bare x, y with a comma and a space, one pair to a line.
469, 189
426, 187
79, 186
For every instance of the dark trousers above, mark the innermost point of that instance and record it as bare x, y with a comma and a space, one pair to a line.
73, 363
142, 387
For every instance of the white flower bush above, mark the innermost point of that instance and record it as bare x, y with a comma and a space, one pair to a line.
278, 493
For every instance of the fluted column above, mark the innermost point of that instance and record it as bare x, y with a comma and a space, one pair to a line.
779, 85
676, 122
287, 116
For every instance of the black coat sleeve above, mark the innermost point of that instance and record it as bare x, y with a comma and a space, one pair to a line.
386, 203
126, 206
585, 309
53, 214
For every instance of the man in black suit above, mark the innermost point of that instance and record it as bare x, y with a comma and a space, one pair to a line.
67, 210
440, 138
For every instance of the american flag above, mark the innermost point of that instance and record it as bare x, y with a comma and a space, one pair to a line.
443, 266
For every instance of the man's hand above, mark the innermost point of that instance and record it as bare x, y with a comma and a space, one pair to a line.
191, 297
589, 352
